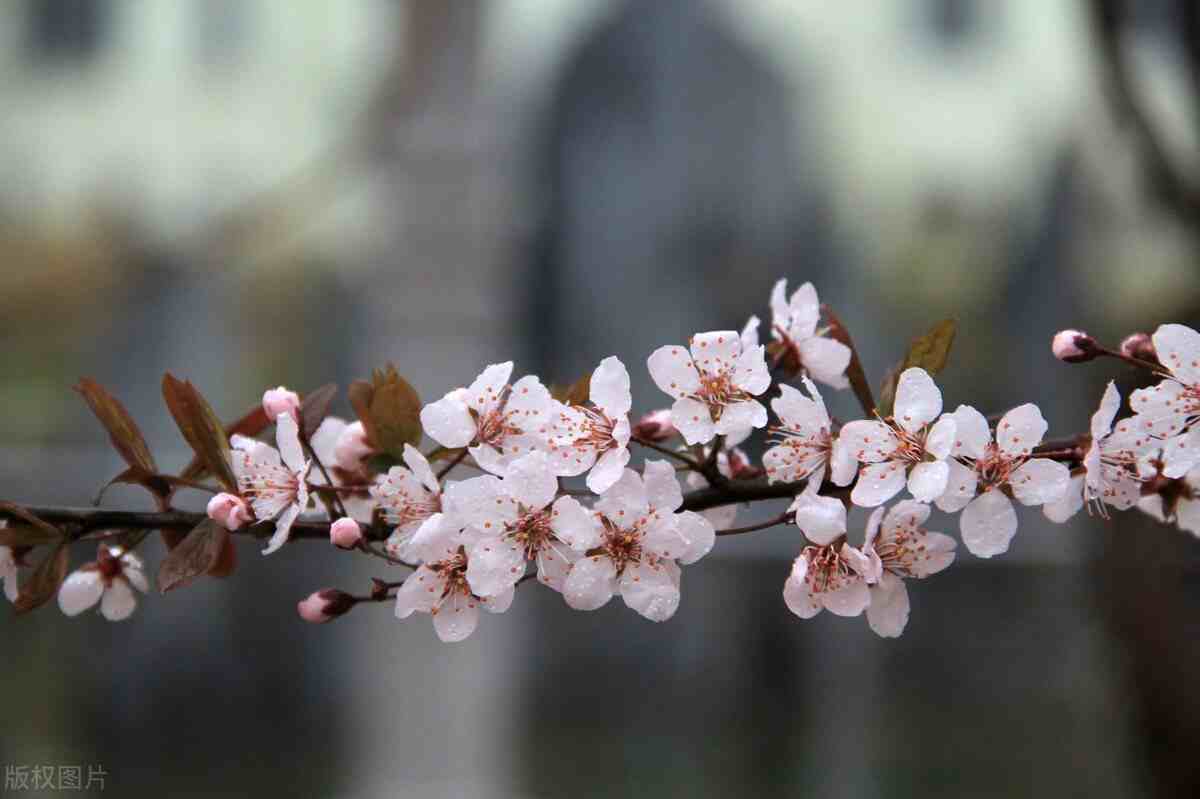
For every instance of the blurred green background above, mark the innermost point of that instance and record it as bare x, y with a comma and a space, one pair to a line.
263, 192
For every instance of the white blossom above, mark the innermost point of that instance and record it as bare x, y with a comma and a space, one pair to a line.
794, 328
806, 446
909, 444
830, 577
1170, 409
328, 444
993, 468
898, 548
498, 422
440, 588
109, 580
714, 386
641, 539
515, 520
1115, 465
273, 480
409, 497
595, 437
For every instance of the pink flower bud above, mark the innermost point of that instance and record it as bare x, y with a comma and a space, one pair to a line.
352, 448
655, 426
1073, 346
345, 533
324, 605
740, 467
230, 511
279, 400
1140, 346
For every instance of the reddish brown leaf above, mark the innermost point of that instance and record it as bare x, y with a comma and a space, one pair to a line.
122, 430
198, 553
314, 408
12, 509
359, 393
27, 535
226, 561
395, 412
44, 582
929, 352
200, 428
250, 424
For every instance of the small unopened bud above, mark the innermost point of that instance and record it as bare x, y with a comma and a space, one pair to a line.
740, 467
345, 533
324, 605
279, 400
1140, 346
230, 511
1073, 346
352, 447
655, 426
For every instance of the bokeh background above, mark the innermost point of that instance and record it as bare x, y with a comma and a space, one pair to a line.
257, 192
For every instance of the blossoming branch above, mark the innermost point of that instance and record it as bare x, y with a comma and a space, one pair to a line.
543, 490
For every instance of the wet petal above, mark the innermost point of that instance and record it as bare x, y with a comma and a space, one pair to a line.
1021, 429
988, 524
650, 591
927, 481
972, 434
590, 583
80, 591
574, 524
877, 483
693, 421
448, 422
673, 371
888, 612
918, 399
1040, 480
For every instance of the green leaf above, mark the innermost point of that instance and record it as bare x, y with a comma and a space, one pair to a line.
929, 352
200, 428
44, 582
198, 553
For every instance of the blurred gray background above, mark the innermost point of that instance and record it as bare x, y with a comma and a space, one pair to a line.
257, 192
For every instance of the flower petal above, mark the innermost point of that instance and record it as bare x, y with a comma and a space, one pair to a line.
693, 421
421, 469
283, 526
485, 393
739, 418
448, 421
662, 487
493, 565
825, 359
649, 590
80, 591
575, 525
1021, 429
420, 592
625, 500
607, 470
918, 400
888, 612
673, 371
961, 484
287, 436
1102, 419
716, 351
877, 483
821, 519
119, 601
927, 481
456, 618
531, 481
940, 441
750, 372
972, 434
988, 524
1178, 349
1040, 480
698, 531
868, 441
850, 599
609, 388
1070, 504
590, 583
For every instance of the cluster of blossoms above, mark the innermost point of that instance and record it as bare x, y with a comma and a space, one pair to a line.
471, 542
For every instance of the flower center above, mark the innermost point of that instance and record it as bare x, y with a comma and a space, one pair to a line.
531, 530
717, 391
623, 546
994, 467
401, 509
827, 569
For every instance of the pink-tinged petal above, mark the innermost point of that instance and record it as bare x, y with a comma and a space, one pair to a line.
1021, 429
1180, 453
625, 500
1040, 480
804, 309
119, 601
493, 565
134, 572
650, 591
749, 334
324, 442
877, 483
1070, 504
574, 524
1102, 419
843, 465
531, 480
940, 441
939, 553
716, 351
554, 564
872, 530
698, 531
918, 400
607, 470
693, 421
591, 582
456, 618
420, 468
287, 436
928, 481
780, 312
1159, 408
80, 591
739, 418
490, 459
475, 499
908, 514
972, 434
800, 414
436, 539
673, 372
849, 600
662, 487
484, 394
825, 359
609, 388
8, 572
821, 519
867, 441
420, 593
799, 599
530, 407
888, 612
1123, 490
1178, 349
448, 421
1187, 516
750, 372
499, 603
283, 526
662, 536
740, 434
961, 484
250, 455
867, 566
988, 524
